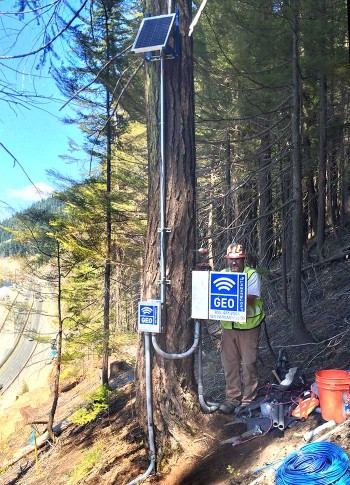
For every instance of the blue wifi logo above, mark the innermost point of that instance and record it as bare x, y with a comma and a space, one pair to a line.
146, 310
224, 284
227, 296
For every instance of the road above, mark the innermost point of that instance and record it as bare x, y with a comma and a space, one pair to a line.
25, 322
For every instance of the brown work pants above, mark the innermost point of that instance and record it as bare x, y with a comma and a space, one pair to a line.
239, 355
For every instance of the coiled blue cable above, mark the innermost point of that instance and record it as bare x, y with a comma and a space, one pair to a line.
320, 463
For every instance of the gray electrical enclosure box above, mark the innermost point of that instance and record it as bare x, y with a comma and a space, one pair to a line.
200, 295
149, 319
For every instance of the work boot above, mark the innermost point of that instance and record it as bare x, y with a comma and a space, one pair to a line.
246, 406
227, 407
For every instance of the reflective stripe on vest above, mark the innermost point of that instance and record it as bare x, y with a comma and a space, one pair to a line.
255, 312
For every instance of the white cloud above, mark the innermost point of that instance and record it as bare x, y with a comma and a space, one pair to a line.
32, 193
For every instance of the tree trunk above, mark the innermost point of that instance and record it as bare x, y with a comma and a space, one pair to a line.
285, 222
173, 380
265, 191
322, 160
108, 233
228, 197
321, 220
211, 226
107, 271
309, 169
312, 204
333, 176
301, 333
344, 167
59, 346
119, 314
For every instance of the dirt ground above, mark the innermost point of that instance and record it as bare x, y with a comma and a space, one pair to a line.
113, 449
119, 446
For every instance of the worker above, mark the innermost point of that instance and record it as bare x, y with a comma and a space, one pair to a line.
240, 341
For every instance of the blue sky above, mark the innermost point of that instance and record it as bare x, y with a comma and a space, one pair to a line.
36, 139
34, 135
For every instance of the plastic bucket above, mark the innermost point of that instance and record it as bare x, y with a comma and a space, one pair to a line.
334, 394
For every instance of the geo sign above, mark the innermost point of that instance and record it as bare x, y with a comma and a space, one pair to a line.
149, 319
228, 296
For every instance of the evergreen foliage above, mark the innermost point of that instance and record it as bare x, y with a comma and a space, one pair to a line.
244, 113
10, 246
273, 166
97, 403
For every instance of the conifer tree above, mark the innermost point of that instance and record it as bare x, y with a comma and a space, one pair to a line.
173, 380
104, 70
41, 230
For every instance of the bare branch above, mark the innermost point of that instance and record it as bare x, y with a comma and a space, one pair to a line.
51, 41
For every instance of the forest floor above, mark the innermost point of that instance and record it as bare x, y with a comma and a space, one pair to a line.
112, 449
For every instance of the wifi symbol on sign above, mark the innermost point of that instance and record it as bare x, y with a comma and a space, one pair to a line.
146, 310
224, 284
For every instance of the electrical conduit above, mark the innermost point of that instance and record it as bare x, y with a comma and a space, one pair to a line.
197, 343
207, 407
152, 447
163, 282
188, 352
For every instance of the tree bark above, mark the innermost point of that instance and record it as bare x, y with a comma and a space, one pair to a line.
173, 380
285, 222
228, 197
265, 195
301, 333
108, 233
322, 160
344, 167
59, 345
321, 211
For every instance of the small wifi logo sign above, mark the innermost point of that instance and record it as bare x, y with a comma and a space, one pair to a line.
146, 310
224, 284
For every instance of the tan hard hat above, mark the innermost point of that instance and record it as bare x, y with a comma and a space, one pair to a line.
235, 251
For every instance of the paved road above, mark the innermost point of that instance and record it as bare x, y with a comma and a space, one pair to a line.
19, 356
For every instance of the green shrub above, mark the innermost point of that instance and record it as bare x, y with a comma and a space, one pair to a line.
97, 403
73, 369
24, 389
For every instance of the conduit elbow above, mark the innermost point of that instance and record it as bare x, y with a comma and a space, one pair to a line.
207, 408
188, 352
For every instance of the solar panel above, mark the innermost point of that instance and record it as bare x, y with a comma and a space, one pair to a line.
153, 33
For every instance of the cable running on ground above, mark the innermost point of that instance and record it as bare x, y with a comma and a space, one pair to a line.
320, 463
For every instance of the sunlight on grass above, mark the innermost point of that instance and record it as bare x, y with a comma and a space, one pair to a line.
90, 458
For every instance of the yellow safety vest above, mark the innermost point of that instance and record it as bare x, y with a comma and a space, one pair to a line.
255, 312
